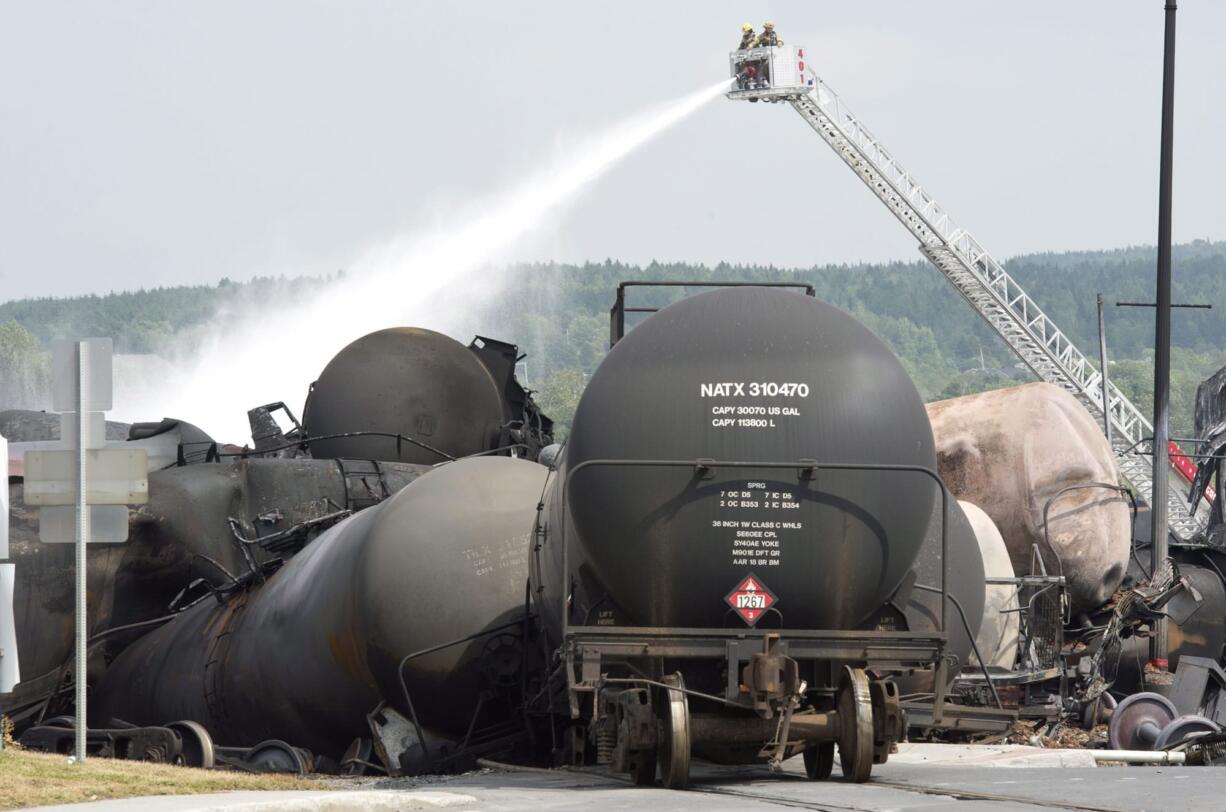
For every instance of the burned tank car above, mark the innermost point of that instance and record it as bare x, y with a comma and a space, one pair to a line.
647, 528
448, 400
213, 522
307, 655
1194, 616
1015, 452
28, 425
189, 532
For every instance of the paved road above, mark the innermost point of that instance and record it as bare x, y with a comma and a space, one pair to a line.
896, 787
905, 787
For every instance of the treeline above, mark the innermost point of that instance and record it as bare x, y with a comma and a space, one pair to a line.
558, 314
143, 321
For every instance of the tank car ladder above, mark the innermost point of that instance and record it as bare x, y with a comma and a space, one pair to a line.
992, 292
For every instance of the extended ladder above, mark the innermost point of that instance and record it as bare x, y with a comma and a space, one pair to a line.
995, 295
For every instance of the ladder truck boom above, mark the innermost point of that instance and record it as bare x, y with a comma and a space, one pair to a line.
780, 74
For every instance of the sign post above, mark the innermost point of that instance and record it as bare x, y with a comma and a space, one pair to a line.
83, 489
10, 673
81, 669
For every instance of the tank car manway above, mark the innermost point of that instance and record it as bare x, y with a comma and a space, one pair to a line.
780, 74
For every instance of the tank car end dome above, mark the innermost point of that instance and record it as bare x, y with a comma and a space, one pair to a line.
748, 374
409, 381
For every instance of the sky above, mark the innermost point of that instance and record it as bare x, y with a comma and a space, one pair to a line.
165, 143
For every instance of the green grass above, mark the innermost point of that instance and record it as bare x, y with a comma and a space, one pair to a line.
36, 779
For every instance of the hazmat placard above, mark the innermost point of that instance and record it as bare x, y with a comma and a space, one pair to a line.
750, 599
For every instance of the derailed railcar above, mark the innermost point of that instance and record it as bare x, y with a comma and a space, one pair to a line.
215, 527
416, 604
723, 554
386, 409
413, 395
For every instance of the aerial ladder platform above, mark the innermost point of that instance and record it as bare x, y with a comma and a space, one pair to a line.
780, 74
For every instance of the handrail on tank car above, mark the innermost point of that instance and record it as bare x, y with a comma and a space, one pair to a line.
305, 442
617, 313
966, 626
804, 467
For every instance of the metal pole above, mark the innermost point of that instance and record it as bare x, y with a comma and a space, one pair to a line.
82, 540
8, 639
1102, 360
1162, 329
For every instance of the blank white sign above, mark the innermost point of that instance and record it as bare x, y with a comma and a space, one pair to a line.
115, 476
4, 501
108, 524
65, 380
10, 674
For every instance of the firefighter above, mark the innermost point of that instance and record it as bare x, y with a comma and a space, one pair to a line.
748, 38
769, 37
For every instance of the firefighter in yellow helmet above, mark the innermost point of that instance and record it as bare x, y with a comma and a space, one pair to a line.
748, 38
769, 37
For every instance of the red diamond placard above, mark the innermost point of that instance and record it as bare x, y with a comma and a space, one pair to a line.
751, 599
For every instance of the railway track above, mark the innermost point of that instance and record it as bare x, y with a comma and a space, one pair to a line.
752, 790
946, 792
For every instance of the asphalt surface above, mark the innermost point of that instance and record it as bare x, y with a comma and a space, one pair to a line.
895, 787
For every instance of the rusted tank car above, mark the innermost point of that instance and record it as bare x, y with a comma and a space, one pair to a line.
1031, 450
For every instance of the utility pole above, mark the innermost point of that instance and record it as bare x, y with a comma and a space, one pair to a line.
1162, 329
1102, 360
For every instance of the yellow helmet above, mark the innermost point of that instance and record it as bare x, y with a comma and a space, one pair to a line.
768, 24
747, 27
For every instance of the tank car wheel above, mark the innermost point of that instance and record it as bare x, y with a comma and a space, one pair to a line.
1138, 719
643, 770
275, 756
356, 757
197, 744
1184, 729
855, 738
819, 761
641, 764
1098, 710
674, 748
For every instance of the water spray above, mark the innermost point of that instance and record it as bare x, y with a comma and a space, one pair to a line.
247, 356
